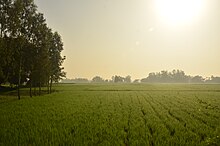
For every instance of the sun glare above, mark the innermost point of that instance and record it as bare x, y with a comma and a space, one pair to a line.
179, 11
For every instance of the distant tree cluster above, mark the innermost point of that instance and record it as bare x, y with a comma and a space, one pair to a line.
98, 79
213, 80
177, 76
29, 51
76, 80
119, 79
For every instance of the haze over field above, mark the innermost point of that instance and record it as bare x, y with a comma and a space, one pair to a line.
128, 37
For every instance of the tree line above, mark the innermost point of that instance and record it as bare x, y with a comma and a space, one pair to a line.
30, 52
98, 79
177, 76
174, 76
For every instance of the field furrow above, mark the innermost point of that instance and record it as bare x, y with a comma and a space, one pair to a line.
114, 115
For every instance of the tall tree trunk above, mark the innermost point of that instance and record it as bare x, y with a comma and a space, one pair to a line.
34, 90
39, 84
19, 78
30, 87
1, 34
51, 82
39, 88
19, 97
48, 85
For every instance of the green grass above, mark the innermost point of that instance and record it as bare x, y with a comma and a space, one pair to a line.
114, 114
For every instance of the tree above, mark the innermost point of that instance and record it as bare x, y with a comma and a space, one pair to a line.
127, 79
55, 59
118, 79
213, 80
98, 79
20, 24
197, 79
5, 9
136, 81
164, 77
80, 80
29, 50
2, 61
176, 76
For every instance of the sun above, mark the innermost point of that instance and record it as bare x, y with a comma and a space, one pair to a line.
179, 11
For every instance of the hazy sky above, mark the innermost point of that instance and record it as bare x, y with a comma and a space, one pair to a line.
135, 37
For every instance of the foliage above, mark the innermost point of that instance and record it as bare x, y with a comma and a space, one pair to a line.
119, 79
98, 79
176, 76
30, 52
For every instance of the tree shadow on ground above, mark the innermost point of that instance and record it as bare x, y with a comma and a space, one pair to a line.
10, 94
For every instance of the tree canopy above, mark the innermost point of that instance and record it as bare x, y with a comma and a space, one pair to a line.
177, 76
30, 51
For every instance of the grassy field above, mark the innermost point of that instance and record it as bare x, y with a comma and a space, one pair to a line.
114, 114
